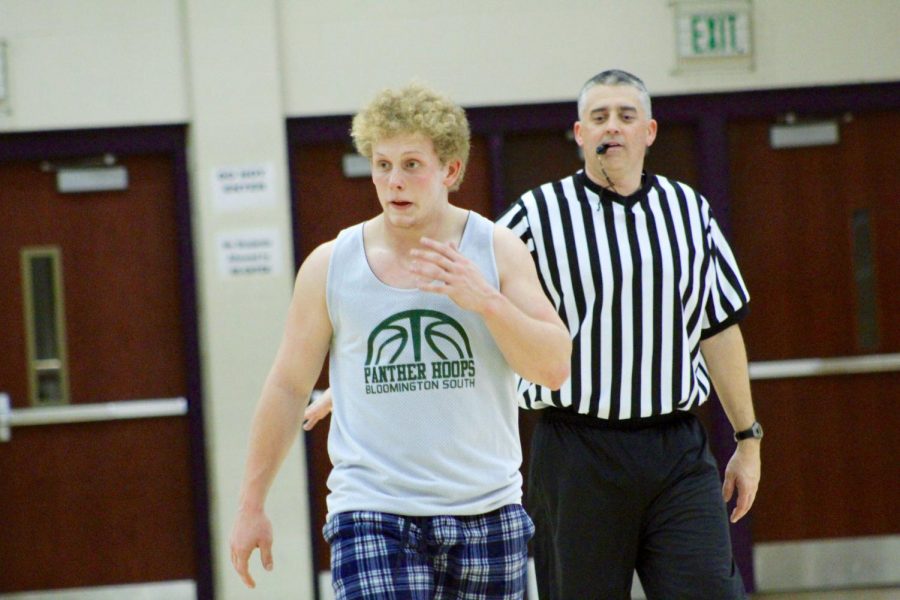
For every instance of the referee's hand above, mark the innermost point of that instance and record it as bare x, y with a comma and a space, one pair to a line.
743, 472
317, 410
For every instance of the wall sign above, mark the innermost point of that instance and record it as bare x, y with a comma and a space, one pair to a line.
248, 252
244, 187
713, 35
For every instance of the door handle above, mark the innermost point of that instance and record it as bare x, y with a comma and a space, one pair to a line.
86, 413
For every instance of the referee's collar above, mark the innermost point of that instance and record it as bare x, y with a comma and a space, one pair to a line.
607, 196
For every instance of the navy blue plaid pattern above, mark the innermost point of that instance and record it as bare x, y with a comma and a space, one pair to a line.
393, 557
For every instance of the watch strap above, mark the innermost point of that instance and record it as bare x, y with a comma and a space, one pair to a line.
755, 432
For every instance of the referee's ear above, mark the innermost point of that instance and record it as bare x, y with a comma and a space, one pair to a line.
651, 132
576, 130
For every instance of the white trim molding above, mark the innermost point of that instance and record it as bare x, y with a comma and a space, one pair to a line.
165, 590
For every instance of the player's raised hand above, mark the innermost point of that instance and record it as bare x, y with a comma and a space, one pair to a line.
442, 269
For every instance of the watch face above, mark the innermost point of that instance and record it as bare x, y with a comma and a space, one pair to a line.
756, 430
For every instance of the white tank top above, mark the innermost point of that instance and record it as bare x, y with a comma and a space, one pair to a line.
425, 416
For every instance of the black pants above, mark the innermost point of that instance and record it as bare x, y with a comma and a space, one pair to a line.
607, 502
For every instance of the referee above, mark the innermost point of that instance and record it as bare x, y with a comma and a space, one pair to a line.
621, 476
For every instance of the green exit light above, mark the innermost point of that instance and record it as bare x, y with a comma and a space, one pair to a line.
714, 34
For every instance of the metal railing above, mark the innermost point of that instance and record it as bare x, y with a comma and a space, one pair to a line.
172, 407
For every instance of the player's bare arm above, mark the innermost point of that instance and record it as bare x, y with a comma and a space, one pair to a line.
276, 422
524, 324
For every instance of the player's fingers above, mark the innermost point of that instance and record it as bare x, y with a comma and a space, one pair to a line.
432, 258
314, 413
434, 287
429, 273
241, 560
265, 555
447, 250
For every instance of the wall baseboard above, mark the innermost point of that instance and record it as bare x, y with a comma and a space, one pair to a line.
167, 590
866, 562
827, 564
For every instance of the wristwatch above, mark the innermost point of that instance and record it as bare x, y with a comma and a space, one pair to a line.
755, 432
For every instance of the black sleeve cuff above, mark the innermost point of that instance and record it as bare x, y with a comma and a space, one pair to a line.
735, 317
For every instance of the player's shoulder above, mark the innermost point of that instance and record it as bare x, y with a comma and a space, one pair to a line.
321, 254
508, 246
314, 268
504, 236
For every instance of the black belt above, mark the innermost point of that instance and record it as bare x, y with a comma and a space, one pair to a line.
558, 415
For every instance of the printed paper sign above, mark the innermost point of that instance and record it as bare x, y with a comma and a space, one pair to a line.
243, 187
249, 252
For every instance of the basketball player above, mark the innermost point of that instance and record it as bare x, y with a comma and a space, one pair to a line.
427, 311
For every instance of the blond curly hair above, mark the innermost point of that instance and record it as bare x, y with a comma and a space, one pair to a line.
410, 110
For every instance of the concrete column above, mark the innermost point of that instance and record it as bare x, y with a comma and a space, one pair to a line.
236, 125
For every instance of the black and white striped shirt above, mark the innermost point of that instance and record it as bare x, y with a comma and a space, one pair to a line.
639, 281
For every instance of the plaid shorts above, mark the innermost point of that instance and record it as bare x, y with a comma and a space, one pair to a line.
386, 556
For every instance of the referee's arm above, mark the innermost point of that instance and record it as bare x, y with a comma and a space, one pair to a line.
726, 358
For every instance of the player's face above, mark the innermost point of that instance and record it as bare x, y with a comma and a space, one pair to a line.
410, 179
614, 116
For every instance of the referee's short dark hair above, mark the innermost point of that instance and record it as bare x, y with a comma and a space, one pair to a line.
617, 77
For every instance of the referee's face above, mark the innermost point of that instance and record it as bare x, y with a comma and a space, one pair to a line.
613, 116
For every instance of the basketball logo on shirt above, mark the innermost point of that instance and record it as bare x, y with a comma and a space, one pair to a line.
418, 350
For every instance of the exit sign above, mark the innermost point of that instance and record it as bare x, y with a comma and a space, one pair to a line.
714, 33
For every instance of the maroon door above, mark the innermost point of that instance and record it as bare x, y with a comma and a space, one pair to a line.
92, 504
816, 234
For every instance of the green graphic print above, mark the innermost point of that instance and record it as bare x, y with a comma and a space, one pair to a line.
441, 354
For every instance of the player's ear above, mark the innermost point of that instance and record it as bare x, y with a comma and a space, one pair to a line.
454, 168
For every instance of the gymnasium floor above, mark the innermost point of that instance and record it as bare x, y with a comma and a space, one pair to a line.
186, 592
879, 594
